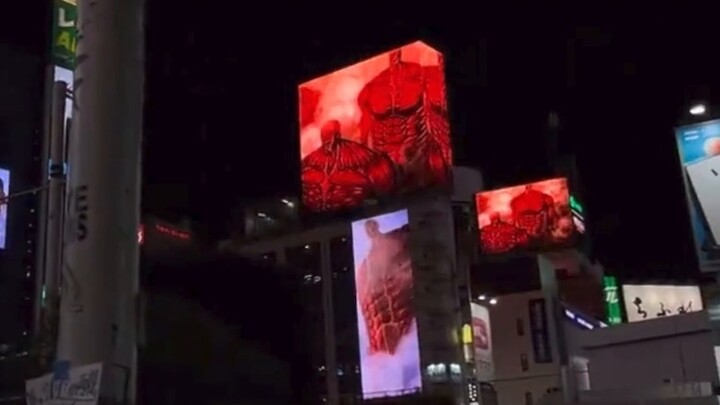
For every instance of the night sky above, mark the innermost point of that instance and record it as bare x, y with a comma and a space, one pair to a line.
620, 79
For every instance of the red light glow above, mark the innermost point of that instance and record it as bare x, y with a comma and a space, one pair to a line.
376, 128
141, 234
175, 233
534, 216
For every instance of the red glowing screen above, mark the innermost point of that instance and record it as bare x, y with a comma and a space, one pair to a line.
534, 216
374, 129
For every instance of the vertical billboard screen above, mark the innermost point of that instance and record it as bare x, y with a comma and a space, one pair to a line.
533, 217
699, 149
387, 324
4, 193
375, 129
482, 342
643, 302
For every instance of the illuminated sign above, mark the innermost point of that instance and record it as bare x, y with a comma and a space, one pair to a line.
64, 40
699, 149
575, 205
582, 321
482, 342
165, 230
4, 193
535, 216
612, 300
376, 128
387, 325
578, 214
173, 232
643, 302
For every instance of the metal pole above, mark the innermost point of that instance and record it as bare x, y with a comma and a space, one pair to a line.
326, 271
55, 195
42, 200
101, 257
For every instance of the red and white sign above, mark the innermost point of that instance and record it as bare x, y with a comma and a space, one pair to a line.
482, 342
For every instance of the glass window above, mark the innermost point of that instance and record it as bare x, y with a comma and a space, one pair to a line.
520, 327
305, 261
524, 362
345, 314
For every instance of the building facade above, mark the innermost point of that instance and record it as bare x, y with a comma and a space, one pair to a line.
323, 257
22, 74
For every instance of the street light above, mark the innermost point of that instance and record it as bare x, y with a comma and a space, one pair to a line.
493, 301
698, 109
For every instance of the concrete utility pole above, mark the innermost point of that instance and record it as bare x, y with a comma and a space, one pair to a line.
56, 174
98, 319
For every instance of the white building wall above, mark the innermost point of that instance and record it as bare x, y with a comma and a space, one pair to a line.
513, 384
677, 349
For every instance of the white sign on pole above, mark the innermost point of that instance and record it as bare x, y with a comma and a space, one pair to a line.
81, 385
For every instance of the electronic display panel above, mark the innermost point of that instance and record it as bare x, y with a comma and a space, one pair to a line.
643, 302
699, 149
4, 193
387, 323
375, 129
482, 342
529, 217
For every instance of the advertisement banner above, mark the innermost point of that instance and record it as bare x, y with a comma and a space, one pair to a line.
76, 385
482, 342
529, 217
643, 302
539, 331
387, 323
699, 149
64, 33
613, 313
4, 193
375, 129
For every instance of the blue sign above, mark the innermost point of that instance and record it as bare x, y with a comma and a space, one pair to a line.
539, 331
699, 150
61, 370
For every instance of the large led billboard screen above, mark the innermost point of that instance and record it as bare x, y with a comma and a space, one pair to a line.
387, 325
643, 302
532, 217
375, 129
4, 193
699, 149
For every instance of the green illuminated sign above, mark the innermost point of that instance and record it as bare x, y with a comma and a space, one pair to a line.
575, 205
64, 33
612, 300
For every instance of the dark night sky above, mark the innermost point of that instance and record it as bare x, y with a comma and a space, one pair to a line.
619, 78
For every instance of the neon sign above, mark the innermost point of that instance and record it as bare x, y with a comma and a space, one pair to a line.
173, 232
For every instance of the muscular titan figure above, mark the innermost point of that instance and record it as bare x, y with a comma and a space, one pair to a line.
534, 212
385, 288
404, 114
342, 173
499, 236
